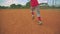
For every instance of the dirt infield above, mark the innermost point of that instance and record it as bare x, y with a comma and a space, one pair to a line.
19, 21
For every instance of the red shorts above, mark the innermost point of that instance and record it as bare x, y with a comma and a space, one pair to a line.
33, 3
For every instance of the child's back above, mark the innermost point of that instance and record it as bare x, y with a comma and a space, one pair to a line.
33, 3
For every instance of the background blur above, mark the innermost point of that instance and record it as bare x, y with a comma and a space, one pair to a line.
4, 4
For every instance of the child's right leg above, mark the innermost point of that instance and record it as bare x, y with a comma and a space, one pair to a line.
32, 11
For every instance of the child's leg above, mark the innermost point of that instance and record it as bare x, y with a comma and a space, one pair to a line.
32, 11
38, 15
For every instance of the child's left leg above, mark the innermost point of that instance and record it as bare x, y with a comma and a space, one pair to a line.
38, 15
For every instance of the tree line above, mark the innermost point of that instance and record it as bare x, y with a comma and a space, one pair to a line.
13, 6
16, 6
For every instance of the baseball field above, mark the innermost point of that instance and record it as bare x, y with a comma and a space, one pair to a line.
19, 21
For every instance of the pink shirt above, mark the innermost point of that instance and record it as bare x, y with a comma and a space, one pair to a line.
33, 3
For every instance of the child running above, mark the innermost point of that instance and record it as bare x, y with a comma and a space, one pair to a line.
35, 5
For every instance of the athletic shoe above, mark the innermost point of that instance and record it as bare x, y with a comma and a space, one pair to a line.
40, 22
33, 17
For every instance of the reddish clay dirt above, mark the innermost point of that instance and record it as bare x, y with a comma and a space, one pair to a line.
19, 21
